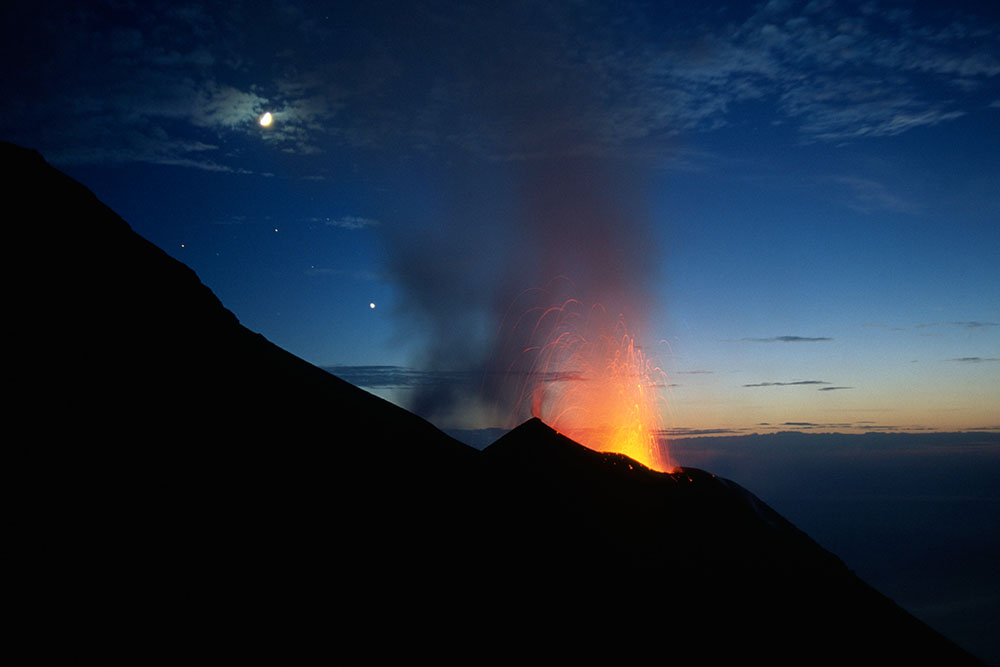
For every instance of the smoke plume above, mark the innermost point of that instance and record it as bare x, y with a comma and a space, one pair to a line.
534, 202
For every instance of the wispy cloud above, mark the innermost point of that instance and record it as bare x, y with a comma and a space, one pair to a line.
174, 91
348, 222
869, 196
826, 68
880, 325
785, 384
150, 91
688, 432
788, 339
386, 376
837, 426
378, 377
833, 388
963, 325
976, 325
974, 360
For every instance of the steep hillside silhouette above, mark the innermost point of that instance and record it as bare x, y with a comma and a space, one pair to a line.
193, 490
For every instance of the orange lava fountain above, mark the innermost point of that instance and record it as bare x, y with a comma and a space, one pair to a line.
589, 380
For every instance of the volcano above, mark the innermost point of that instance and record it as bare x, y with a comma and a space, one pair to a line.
191, 490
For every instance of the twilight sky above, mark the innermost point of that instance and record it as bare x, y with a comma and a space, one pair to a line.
794, 205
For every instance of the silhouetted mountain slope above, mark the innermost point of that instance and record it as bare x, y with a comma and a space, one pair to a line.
196, 491
182, 469
712, 560
141, 347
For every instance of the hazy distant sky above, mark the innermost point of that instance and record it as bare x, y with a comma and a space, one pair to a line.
796, 203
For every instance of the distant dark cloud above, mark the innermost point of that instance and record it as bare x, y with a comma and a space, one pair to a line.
788, 339
378, 377
976, 325
820, 426
686, 432
785, 384
374, 377
833, 388
832, 429
974, 360
963, 325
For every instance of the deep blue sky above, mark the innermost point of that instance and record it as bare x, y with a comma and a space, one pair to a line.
795, 204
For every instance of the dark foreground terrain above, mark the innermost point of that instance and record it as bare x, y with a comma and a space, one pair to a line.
194, 492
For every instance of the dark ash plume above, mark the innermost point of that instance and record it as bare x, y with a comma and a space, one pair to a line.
535, 201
